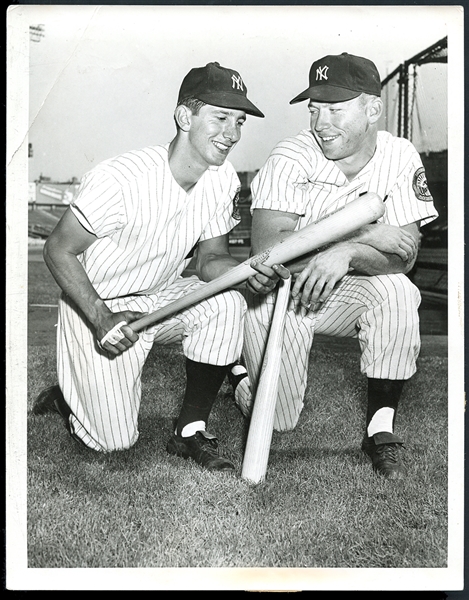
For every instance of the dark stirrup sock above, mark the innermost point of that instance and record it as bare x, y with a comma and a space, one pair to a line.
203, 384
383, 393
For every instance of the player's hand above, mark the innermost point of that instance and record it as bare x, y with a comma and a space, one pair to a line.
317, 280
392, 240
113, 333
266, 278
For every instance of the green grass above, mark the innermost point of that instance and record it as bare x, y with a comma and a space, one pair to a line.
41, 287
320, 506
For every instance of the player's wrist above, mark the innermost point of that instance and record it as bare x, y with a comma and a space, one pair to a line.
349, 251
99, 314
361, 235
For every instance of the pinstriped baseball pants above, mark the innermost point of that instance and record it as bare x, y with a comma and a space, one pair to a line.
104, 392
381, 311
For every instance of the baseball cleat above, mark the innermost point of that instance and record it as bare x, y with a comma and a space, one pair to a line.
45, 402
383, 449
51, 400
202, 448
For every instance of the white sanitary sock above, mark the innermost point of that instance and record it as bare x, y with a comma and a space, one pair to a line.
192, 428
381, 421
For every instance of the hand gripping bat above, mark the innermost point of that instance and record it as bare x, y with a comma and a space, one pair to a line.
364, 210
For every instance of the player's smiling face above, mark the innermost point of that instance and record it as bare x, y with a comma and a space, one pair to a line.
342, 129
214, 132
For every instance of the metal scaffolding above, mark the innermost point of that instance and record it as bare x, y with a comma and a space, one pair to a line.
406, 73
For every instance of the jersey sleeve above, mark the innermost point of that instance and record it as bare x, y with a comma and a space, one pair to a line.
225, 191
410, 200
283, 182
99, 204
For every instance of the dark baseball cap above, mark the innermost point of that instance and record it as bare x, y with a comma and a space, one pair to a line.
337, 78
218, 86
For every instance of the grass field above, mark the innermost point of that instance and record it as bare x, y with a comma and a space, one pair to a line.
321, 505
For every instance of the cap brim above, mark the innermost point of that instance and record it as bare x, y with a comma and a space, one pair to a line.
235, 101
326, 93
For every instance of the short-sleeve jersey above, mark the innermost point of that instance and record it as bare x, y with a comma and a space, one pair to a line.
297, 178
146, 224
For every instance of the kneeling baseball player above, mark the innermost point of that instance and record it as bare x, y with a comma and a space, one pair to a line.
119, 253
356, 287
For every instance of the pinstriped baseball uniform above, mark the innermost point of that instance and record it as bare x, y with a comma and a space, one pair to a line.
380, 310
146, 226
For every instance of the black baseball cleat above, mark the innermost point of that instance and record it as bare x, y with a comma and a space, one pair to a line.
51, 400
202, 448
383, 449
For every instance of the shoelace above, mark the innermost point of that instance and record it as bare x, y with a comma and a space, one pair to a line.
209, 446
387, 452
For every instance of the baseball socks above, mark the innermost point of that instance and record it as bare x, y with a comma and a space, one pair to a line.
241, 386
379, 441
190, 440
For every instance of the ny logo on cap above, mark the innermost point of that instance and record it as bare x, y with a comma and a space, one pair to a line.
237, 82
321, 73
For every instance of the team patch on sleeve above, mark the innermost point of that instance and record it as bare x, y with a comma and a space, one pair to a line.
420, 186
236, 214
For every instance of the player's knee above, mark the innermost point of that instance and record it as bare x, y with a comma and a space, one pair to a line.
234, 305
227, 307
238, 299
283, 427
115, 446
103, 442
403, 294
397, 310
396, 291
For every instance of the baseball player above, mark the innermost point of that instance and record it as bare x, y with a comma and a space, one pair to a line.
356, 287
119, 252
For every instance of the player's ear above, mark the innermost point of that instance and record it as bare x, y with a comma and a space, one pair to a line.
374, 109
182, 116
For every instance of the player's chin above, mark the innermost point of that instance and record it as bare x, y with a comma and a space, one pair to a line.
332, 153
219, 158
332, 150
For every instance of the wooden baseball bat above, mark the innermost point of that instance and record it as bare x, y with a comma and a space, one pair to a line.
330, 228
256, 454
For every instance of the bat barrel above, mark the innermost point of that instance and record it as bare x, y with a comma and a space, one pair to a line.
362, 211
331, 227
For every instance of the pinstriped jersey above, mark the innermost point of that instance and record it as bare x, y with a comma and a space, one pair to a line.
146, 224
298, 178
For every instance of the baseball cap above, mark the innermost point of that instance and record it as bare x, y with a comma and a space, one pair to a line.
218, 86
336, 78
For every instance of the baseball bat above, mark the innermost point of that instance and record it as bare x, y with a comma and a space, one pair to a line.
363, 210
256, 454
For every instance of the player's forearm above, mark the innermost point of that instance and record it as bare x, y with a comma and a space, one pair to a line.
296, 266
364, 235
366, 260
69, 274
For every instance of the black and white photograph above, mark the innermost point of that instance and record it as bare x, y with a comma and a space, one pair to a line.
243, 369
